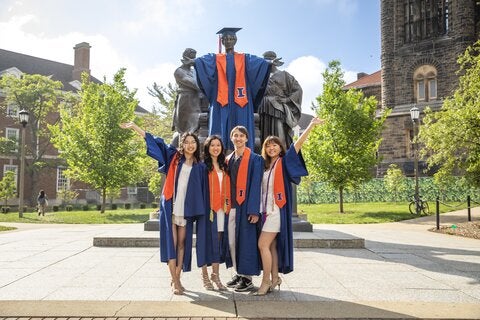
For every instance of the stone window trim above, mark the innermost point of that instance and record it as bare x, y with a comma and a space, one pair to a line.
425, 83
63, 182
14, 168
13, 134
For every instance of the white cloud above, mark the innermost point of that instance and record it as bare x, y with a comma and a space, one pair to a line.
163, 16
141, 79
308, 72
105, 60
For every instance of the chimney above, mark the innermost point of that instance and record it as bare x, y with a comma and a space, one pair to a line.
82, 60
361, 75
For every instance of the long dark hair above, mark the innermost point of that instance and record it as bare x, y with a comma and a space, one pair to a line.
41, 194
181, 146
268, 140
208, 158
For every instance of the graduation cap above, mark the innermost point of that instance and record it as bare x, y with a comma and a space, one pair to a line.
224, 31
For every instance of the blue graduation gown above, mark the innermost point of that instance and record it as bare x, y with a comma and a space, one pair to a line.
246, 234
293, 169
216, 247
224, 119
195, 205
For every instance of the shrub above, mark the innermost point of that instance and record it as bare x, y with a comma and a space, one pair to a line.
154, 205
68, 207
143, 205
114, 206
99, 207
55, 208
85, 207
5, 209
128, 205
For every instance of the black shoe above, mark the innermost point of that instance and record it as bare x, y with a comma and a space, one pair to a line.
245, 284
235, 280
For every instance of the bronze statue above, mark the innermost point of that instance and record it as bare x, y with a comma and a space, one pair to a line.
281, 106
190, 99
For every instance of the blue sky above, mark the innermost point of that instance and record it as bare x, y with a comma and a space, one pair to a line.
148, 36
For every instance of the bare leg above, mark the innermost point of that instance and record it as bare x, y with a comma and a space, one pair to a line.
172, 266
181, 234
264, 245
273, 250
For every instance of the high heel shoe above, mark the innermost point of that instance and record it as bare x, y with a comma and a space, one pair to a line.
181, 286
216, 279
276, 282
177, 288
265, 288
206, 282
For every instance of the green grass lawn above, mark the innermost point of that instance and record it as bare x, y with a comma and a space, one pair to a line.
85, 217
372, 212
3, 228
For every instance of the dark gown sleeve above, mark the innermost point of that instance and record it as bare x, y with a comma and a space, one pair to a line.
294, 165
258, 71
160, 151
256, 175
206, 70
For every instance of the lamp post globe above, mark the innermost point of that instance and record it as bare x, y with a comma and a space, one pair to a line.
23, 117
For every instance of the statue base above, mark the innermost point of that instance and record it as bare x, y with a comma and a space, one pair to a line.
298, 225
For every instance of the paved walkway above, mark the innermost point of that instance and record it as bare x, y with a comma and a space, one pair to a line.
405, 271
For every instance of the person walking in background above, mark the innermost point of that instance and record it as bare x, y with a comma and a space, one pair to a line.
282, 168
245, 169
183, 201
42, 203
219, 191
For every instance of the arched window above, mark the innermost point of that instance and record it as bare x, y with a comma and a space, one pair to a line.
425, 83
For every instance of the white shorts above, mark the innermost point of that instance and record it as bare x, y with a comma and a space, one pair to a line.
179, 221
272, 223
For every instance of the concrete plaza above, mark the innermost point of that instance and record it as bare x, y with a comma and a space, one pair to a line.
404, 271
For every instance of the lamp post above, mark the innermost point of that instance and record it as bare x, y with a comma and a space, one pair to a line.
415, 115
23, 119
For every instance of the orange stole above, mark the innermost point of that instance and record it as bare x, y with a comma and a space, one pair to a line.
240, 89
278, 185
169, 186
219, 198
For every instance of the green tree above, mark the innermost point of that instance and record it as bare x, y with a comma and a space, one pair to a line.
97, 151
159, 123
342, 151
7, 186
39, 95
451, 136
395, 181
66, 196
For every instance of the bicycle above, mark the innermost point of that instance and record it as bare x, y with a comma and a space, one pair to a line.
422, 206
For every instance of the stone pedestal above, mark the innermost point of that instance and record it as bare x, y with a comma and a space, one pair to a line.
152, 223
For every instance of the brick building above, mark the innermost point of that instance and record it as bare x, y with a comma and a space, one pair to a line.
421, 41
50, 178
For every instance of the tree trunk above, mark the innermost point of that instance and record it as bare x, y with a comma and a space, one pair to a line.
104, 199
340, 190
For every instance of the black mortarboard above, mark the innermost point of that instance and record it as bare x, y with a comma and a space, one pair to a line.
225, 31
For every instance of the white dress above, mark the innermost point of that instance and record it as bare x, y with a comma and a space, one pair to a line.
220, 213
272, 221
179, 204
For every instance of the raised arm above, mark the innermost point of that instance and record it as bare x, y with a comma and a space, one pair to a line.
298, 144
134, 127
